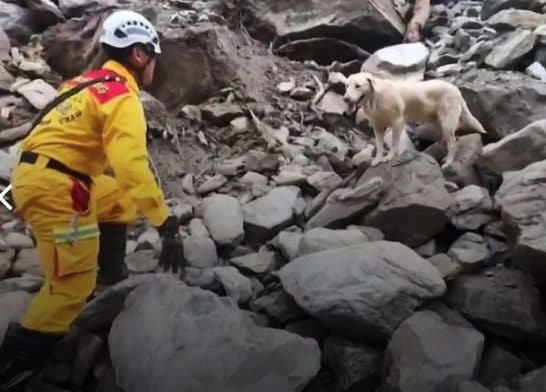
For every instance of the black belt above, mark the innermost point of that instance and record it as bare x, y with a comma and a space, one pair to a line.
32, 157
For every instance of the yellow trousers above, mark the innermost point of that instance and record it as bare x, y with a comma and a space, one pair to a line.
46, 199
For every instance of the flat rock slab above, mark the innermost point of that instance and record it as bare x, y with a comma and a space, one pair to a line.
392, 281
429, 351
267, 215
502, 302
402, 61
522, 199
216, 333
415, 194
319, 239
515, 151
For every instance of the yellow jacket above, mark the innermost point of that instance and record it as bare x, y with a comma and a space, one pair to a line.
103, 124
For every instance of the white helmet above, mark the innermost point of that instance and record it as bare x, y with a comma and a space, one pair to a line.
124, 28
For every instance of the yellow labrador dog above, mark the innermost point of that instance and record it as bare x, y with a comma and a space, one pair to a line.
389, 103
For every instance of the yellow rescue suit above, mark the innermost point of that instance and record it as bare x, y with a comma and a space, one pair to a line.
103, 124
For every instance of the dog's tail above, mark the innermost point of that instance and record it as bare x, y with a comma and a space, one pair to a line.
469, 121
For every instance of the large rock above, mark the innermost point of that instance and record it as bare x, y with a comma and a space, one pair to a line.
517, 150
235, 284
392, 281
269, 214
371, 24
469, 250
511, 50
498, 364
501, 302
430, 352
13, 306
415, 194
472, 209
463, 171
17, 22
504, 102
522, 199
345, 204
357, 366
319, 239
259, 263
223, 217
491, 7
403, 61
215, 333
514, 18
200, 251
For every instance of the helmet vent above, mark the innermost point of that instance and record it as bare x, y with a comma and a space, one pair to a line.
120, 34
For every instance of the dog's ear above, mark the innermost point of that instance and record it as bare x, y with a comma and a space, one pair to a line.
371, 82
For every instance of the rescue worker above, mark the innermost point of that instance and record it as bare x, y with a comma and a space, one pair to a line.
77, 214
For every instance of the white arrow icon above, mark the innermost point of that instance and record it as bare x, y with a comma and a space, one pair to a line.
4, 201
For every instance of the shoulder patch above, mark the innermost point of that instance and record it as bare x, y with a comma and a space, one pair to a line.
105, 92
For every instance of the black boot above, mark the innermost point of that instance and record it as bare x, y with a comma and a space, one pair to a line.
113, 241
22, 355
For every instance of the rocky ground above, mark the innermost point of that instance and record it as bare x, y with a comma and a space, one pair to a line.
306, 272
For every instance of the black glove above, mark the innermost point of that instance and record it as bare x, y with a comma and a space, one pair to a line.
172, 250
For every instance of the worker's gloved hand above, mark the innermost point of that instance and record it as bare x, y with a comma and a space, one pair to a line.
172, 250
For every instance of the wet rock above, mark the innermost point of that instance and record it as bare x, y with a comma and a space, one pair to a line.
27, 283
27, 262
420, 355
447, 267
357, 366
212, 184
258, 263
521, 197
403, 61
516, 151
236, 285
101, 311
13, 306
208, 338
200, 251
504, 102
501, 302
509, 52
6, 259
221, 114
415, 194
277, 305
498, 364
350, 310
491, 7
472, 209
223, 218
511, 19
267, 215
19, 241
319, 239
346, 204
470, 250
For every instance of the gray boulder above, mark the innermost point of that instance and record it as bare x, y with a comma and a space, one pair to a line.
504, 102
402, 61
392, 281
491, 7
259, 263
533, 381
498, 364
216, 333
463, 170
502, 302
13, 305
319, 239
200, 252
472, 209
346, 204
470, 250
236, 285
223, 218
522, 199
277, 305
288, 243
414, 193
142, 261
357, 366
429, 352
267, 215
511, 19
17, 22
517, 150
511, 49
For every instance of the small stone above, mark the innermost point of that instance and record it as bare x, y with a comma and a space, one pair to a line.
512, 19
258, 263
142, 261
200, 252
289, 243
478, 52
462, 41
212, 184
221, 114
260, 161
187, 184
427, 250
131, 247
402, 61
286, 87
301, 94
184, 212
239, 125
149, 240
473, 208
470, 250
37, 92
27, 262
198, 229
223, 217
252, 178
278, 305
537, 71
231, 167
364, 157
445, 265
19, 241
236, 285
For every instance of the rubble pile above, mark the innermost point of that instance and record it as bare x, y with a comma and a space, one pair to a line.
306, 269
